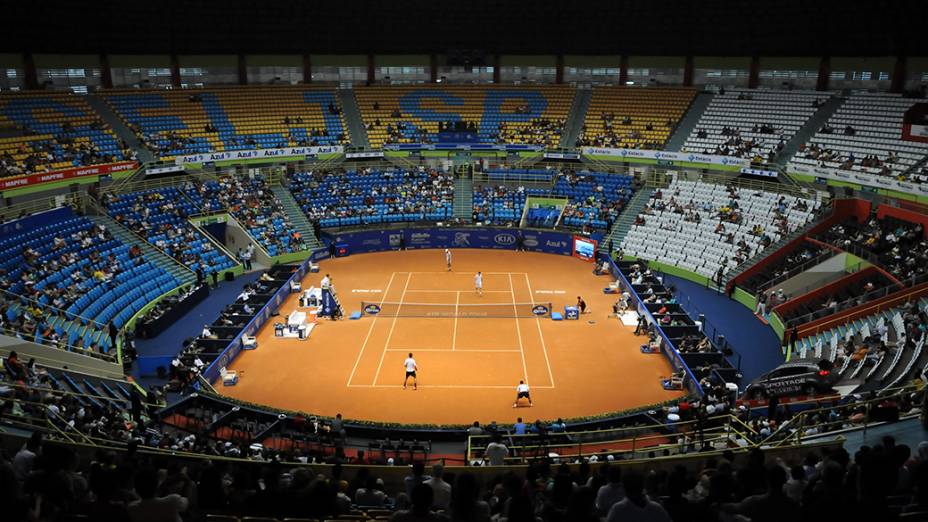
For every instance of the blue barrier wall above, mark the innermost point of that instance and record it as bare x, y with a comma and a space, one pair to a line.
548, 242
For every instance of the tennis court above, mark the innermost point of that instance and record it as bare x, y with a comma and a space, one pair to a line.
471, 350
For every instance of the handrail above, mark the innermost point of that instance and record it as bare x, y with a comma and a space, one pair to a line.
101, 211
865, 309
70, 347
227, 212
846, 305
64, 313
796, 270
37, 205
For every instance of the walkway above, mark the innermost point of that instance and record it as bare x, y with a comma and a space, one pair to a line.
755, 342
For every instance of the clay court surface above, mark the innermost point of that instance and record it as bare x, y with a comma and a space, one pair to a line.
468, 367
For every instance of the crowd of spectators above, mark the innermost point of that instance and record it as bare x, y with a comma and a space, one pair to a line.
735, 145
898, 246
256, 208
619, 133
43, 152
372, 192
45, 481
847, 161
160, 216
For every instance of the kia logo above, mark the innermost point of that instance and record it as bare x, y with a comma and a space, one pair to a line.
505, 239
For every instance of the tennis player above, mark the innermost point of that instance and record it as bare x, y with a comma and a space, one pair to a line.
581, 305
411, 369
448, 258
522, 391
478, 283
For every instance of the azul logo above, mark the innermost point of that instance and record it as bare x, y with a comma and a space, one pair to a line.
530, 242
556, 244
540, 310
420, 237
505, 239
462, 239
372, 309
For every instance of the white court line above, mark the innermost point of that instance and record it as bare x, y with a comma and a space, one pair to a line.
392, 326
485, 273
540, 335
450, 386
518, 329
461, 350
369, 330
452, 291
454, 332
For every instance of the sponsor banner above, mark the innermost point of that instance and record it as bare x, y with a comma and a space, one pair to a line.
460, 146
64, 174
562, 155
363, 155
559, 243
760, 172
665, 156
164, 170
862, 178
234, 155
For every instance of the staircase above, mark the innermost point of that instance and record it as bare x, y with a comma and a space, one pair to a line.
914, 169
731, 274
119, 127
156, 256
626, 219
463, 197
297, 217
575, 118
687, 124
353, 118
809, 129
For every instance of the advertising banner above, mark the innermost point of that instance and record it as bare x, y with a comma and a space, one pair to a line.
863, 178
549, 242
270, 154
665, 157
64, 174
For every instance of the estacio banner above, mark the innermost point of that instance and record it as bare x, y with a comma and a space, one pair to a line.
660, 155
862, 178
250, 154
64, 174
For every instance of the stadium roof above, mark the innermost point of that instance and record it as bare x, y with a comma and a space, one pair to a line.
472, 27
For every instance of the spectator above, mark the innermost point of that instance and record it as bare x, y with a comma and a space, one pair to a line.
441, 489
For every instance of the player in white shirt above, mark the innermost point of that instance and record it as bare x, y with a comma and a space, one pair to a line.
411, 368
448, 258
478, 283
522, 391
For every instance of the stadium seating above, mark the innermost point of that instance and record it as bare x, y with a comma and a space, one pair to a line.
867, 125
196, 121
160, 216
77, 279
898, 246
690, 225
653, 113
754, 123
372, 196
44, 131
256, 208
858, 349
500, 114
594, 199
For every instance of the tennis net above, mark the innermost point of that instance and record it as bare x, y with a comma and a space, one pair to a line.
481, 310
